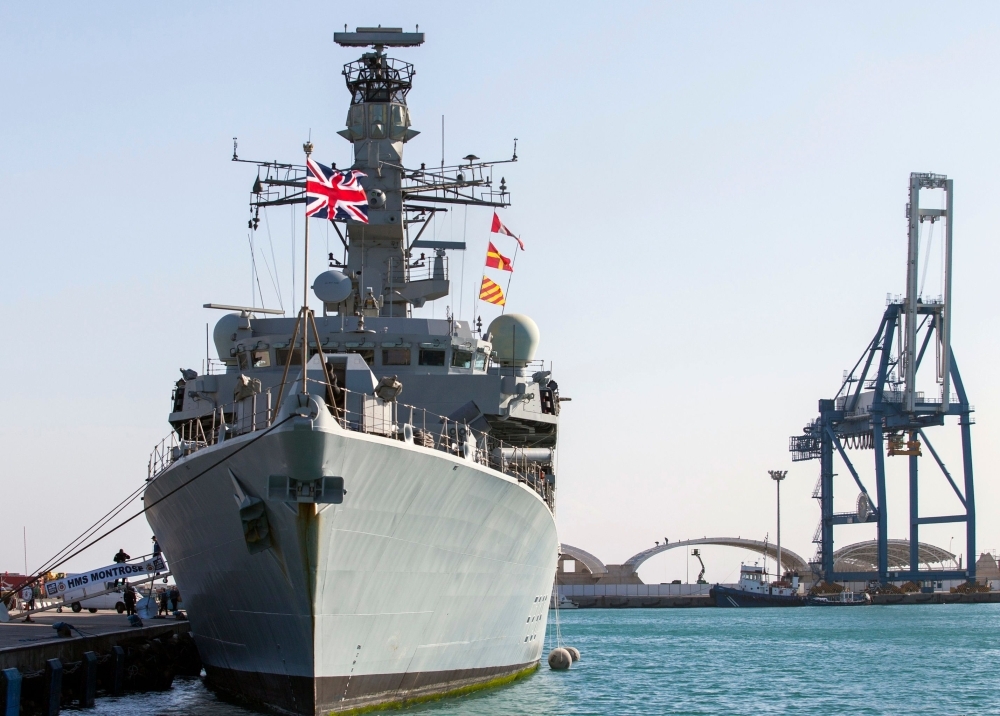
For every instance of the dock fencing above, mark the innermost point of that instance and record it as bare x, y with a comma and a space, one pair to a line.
635, 590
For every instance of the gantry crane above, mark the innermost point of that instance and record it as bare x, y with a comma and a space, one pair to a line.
878, 407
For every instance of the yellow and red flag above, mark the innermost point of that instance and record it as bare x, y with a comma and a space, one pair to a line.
491, 293
494, 259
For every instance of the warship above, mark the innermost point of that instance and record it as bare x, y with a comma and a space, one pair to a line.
358, 504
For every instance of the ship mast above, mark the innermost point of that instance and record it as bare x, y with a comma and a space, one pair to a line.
308, 149
388, 273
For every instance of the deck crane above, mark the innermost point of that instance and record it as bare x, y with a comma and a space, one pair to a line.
879, 408
701, 574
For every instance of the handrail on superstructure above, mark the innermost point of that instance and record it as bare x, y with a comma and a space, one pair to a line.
250, 415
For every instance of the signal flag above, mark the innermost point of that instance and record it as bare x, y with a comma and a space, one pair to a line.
491, 293
494, 259
499, 228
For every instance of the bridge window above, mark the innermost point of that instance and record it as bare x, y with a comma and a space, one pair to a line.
395, 356
376, 121
356, 121
400, 121
461, 359
261, 359
281, 355
480, 360
429, 357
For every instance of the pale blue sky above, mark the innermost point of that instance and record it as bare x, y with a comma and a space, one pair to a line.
711, 196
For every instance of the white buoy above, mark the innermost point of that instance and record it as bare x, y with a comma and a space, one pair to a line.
560, 659
573, 651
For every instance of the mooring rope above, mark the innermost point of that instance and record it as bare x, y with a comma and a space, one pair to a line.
35, 578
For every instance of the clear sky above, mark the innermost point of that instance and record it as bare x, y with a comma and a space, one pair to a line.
712, 198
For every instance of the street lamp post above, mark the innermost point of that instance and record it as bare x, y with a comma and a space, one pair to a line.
778, 476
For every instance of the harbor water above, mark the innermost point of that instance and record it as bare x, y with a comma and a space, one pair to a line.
924, 659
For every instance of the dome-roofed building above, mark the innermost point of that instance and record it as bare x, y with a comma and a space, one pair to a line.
863, 556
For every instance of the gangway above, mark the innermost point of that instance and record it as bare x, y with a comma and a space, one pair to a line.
77, 587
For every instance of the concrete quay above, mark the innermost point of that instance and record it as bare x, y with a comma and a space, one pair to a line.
41, 672
937, 598
635, 602
613, 600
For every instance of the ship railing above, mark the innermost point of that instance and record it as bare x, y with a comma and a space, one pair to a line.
246, 415
399, 271
370, 414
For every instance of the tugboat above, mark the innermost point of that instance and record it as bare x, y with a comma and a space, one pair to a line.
359, 504
846, 598
754, 590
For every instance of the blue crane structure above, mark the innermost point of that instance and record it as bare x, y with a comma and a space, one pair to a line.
878, 407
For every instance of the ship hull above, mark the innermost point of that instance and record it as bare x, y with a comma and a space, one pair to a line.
433, 575
730, 597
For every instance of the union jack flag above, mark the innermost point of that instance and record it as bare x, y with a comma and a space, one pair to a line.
334, 195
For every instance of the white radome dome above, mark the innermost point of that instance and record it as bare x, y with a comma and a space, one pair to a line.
515, 339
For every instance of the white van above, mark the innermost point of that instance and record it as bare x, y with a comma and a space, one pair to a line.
112, 600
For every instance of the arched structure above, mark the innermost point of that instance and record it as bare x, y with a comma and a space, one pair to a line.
592, 563
863, 556
789, 559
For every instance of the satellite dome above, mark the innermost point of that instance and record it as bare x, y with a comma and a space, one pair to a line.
223, 334
332, 287
515, 339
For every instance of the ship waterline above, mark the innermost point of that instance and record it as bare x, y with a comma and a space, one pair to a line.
434, 572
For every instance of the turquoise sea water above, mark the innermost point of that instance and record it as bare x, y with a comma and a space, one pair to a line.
924, 659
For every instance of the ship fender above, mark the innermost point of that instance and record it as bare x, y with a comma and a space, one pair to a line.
560, 659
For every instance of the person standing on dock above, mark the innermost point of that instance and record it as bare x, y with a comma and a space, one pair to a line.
129, 599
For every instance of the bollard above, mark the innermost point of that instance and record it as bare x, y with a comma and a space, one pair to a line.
52, 694
118, 678
10, 692
88, 679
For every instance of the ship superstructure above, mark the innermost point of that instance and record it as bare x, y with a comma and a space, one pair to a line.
359, 507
